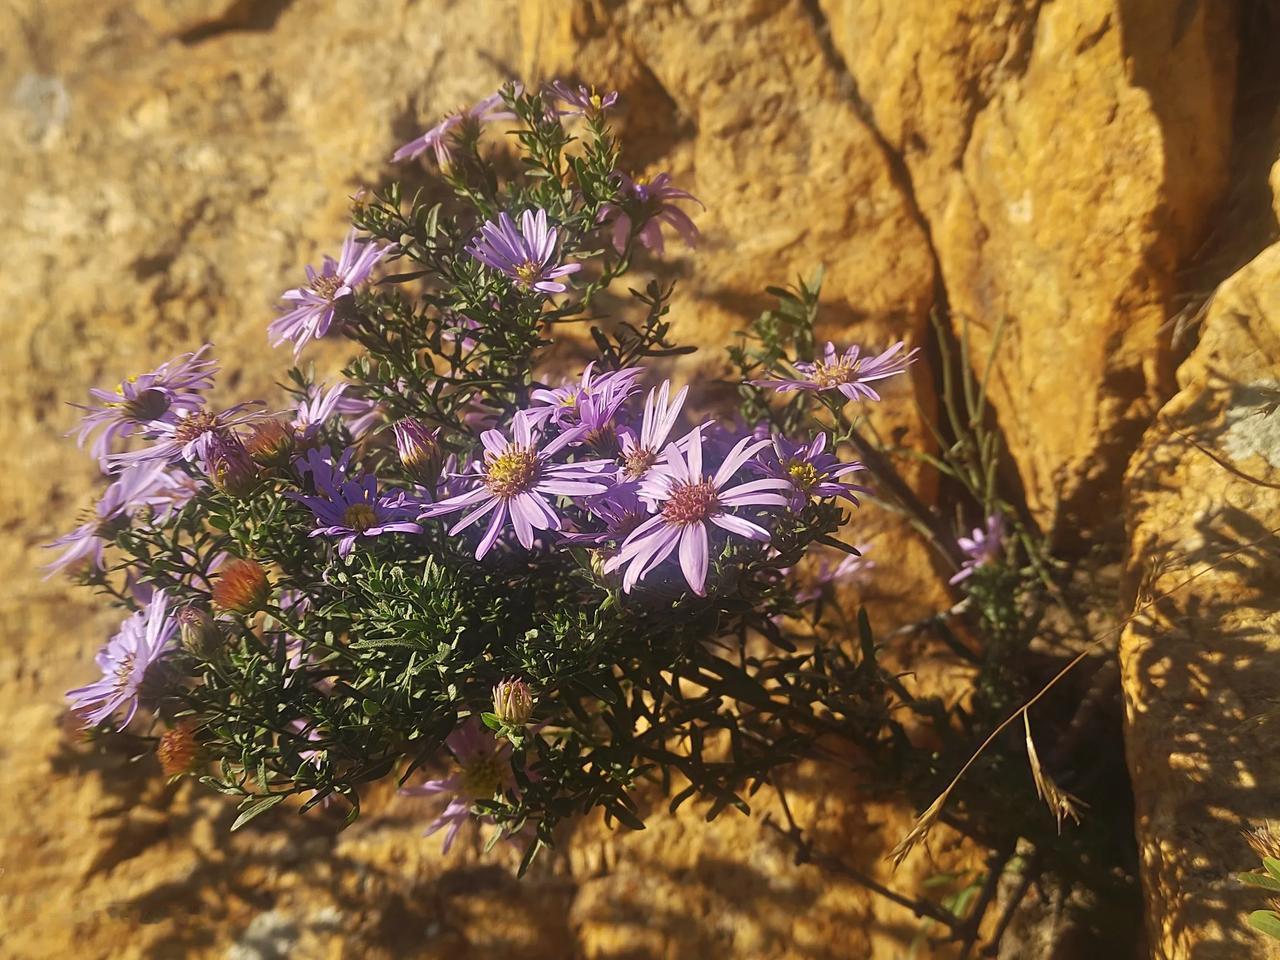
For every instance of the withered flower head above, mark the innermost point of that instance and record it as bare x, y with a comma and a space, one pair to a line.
242, 587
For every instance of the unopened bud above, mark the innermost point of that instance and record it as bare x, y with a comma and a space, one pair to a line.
178, 751
199, 632
513, 702
241, 587
230, 467
271, 443
419, 450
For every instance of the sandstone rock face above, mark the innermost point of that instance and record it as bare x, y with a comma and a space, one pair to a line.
1199, 665
1065, 157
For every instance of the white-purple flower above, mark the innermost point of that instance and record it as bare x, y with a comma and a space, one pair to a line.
484, 771
851, 372
516, 480
984, 546
851, 568
582, 100
350, 507
313, 308
643, 206
563, 405
437, 138
639, 452
811, 471
144, 485
143, 638
687, 501
191, 435
141, 401
528, 255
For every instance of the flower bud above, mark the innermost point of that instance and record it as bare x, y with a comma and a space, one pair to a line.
199, 632
230, 467
178, 751
419, 450
513, 702
271, 443
241, 587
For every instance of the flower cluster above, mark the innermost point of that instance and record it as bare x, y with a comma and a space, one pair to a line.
375, 574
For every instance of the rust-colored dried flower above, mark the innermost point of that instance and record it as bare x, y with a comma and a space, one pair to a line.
242, 587
178, 751
271, 443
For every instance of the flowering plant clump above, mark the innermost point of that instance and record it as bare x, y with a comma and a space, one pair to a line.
519, 593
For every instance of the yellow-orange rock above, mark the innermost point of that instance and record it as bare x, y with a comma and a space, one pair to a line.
1199, 664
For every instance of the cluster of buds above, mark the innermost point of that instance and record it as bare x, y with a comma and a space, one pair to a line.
242, 587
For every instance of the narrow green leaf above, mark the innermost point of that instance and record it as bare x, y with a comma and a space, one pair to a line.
256, 808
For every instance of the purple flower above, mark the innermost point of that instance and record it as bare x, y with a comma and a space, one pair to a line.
459, 327
143, 639
527, 255
643, 207
621, 510
351, 507
982, 547
484, 770
851, 372
515, 479
851, 568
319, 406
140, 401
563, 405
687, 501
811, 471
144, 485
585, 101
437, 138
191, 435
640, 452
318, 303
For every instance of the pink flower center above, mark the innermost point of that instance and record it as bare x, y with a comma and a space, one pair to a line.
359, 517
511, 472
327, 286
842, 370
691, 503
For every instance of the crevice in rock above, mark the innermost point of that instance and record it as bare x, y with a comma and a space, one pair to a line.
244, 16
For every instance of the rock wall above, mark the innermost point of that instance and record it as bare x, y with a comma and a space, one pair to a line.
1047, 166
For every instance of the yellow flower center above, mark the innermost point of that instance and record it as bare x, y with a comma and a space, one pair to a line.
528, 273
512, 471
834, 374
638, 461
359, 517
802, 474
326, 286
481, 778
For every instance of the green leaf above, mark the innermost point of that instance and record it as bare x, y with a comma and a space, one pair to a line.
1266, 881
254, 808
1266, 921
1272, 865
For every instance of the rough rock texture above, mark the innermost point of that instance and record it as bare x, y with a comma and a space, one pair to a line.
1065, 156
1199, 670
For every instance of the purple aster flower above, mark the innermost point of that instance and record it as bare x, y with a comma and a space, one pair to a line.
484, 771
851, 372
643, 207
191, 435
811, 471
515, 480
850, 568
317, 407
562, 405
319, 303
687, 501
619, 508
144, 485
459, 327
143, 639
639, 452
585, 101
350, 507
527, 255
982, 547
437, 138
139, 401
